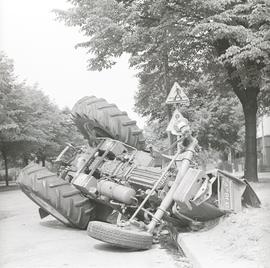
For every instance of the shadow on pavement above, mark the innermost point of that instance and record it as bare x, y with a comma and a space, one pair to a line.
112, 248
55, 224
6, 214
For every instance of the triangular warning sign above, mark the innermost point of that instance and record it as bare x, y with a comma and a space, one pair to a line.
177, 95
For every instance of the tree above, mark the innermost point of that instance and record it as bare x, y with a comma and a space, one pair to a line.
180, 40
146, 30
216, 119
19, 127
8, 126
238, 32
29, 122
50, 127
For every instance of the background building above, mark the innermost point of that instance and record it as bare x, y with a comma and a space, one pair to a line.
263, 142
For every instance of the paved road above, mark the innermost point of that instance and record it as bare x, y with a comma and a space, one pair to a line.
28, 241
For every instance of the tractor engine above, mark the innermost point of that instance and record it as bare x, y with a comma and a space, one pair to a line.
117, 174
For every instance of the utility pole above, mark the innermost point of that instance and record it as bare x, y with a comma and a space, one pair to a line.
167, 88
176, 97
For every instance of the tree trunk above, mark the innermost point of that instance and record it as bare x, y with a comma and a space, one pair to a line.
248, 97
43, 161
250, 112
6, 166
25, 160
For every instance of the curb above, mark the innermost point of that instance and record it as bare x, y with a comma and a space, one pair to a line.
216, 247
200, 248
188, 253
4, 188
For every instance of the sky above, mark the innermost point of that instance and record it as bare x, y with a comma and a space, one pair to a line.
43, 51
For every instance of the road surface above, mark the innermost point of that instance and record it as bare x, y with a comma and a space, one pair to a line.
28, 241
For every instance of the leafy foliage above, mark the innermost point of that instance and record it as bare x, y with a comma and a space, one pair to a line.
30, 125
225, 41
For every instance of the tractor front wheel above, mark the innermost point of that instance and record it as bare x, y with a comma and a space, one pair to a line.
123, 237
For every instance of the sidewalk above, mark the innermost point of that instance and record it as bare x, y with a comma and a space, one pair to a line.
240, 240
12, 185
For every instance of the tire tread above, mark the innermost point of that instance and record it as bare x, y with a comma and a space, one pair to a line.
119, 236
56, 196
99, 113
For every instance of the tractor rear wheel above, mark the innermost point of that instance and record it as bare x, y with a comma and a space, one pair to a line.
56, 196
94, 116
120, 236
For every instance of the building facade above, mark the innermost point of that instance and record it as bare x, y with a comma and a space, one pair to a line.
263, 143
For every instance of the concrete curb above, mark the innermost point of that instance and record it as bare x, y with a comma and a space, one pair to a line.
198, 250
4, 188
188, 252
204, 248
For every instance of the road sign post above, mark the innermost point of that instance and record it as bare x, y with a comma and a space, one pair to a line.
177, 97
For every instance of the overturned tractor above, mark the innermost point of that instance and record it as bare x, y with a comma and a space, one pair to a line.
119, 192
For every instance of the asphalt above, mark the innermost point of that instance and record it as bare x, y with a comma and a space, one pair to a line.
194, 245
28, 241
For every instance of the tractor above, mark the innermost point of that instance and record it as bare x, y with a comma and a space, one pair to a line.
116, 189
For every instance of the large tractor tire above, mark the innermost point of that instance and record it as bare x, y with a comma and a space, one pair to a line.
56, 196
97, 117
120, 236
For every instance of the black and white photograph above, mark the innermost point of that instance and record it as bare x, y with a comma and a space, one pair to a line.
135, 134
